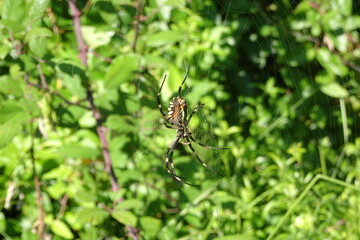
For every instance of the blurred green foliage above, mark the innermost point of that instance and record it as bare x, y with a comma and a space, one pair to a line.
280, 81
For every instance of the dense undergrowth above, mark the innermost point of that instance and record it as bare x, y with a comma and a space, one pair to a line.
82, 141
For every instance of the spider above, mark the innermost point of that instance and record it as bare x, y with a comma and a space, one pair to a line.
176, 118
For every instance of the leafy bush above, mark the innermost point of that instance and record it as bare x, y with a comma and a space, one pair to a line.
82, 145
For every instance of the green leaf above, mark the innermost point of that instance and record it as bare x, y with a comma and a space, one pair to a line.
73, 84
57, 190
150, 225
96, 38
352, 23
12, 117
344, 6
2, 222
331, 62
325, 77
38, 8
165, 37
130, 204
125, 217
84, 196
119, 123
121, 70
61, 229
13, 10
10, 86
14, 26
237, 237
76, 150
37, 38
93, 216
334, 90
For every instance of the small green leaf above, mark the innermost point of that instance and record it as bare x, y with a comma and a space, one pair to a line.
38, 8
95, 38
331, 62
344, 6
352, 23
93, 216
37, 38
12, 117
76, 150
61, 229
324, 77
237, 237
13, 10
14, 26
57, 190
10, 86
150, 225
334, 90
125, 217
2, 222
165, 37
118, 123
130, 204
84, 196
121, 70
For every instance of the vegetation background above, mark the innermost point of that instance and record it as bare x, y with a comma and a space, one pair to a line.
82, 145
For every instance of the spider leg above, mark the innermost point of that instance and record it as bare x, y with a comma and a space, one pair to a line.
205, 146
194, 111
158, 98
186, 75
171, 170
169, 126
201, 161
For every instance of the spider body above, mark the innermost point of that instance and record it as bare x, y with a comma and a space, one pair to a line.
177, 111
176, 118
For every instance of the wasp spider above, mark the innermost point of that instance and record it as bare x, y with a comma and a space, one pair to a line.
177, 119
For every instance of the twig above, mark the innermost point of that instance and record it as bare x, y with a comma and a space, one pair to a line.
106, 59
53, 93
101, 130
42, 76
41, 223
138, 7
352, 65
80, 40
63, 204
53, 20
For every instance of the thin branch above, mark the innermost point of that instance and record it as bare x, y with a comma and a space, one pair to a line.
138, 7
63, 204
41, 222
53, 20
42, 76
53, 93
77, 25
106, 59
101, 130
352, 65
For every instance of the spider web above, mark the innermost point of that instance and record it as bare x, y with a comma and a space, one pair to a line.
205, 124
301, 105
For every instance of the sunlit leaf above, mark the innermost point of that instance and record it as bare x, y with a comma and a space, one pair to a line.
12, 117
61, 229
164, 37
125, 217
150, 225
94, 216
331, 62
335, 90
121, 70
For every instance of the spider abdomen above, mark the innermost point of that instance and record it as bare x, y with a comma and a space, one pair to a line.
177, 111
